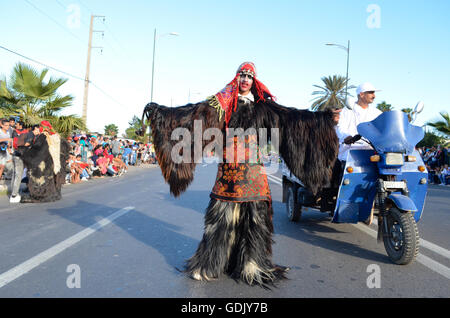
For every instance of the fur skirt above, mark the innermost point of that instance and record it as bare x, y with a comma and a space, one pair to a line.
237, 241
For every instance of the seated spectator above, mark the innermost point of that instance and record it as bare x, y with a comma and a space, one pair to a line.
97, 151
102, 164
111, 171
118, 165
107, 153
75, 169
105, 166
86, 173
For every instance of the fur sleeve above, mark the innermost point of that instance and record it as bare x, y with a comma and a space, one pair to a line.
163, 121
308, 142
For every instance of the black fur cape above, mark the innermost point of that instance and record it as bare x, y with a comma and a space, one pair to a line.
307, 140
44, 184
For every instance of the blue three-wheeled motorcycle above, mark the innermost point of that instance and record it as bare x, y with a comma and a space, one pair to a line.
389, 181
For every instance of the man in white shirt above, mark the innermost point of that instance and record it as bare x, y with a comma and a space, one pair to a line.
349, 119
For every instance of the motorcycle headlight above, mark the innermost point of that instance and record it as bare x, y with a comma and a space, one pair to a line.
394, 159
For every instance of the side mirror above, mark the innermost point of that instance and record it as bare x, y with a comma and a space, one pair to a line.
419, 107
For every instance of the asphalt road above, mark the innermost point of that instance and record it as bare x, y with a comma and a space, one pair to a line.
126, 237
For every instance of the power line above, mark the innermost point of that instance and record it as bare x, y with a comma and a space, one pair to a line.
63, 72
65, 8
73, 35
47, 66
85, 6
106, 94
54, 21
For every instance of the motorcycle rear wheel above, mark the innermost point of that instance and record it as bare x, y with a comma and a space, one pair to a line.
402, 240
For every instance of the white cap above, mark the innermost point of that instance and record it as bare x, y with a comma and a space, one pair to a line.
366, 87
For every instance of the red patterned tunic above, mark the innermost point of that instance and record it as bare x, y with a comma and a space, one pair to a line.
241, 180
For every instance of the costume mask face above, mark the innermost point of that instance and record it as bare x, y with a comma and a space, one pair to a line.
245, 83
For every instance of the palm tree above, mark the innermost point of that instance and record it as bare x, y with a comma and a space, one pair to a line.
332, 94
33, 100
384, 107
430, 140
408, 111
135, 125
443, 126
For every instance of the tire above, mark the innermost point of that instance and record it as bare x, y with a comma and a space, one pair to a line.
402, 240
293, 208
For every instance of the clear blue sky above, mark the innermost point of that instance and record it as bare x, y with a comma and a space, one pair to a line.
402, 47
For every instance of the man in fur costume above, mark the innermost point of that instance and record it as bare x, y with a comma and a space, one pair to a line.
237, 239
45, 161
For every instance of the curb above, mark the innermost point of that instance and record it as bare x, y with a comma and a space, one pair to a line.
4, 184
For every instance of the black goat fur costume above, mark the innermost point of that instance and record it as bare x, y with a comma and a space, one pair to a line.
44, 184
238, 235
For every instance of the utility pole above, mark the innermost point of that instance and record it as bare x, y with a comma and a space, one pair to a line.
88, 66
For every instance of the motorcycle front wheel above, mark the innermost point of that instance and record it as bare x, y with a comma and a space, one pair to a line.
402, 238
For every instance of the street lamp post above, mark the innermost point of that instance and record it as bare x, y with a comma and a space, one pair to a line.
153, 62
347, 49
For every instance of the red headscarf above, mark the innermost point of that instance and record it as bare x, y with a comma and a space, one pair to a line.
227, 98
46, 126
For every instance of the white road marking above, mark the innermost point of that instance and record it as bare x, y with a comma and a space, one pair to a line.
35, 261
424, 260
428, 245
435, 266
273, 179
435, 248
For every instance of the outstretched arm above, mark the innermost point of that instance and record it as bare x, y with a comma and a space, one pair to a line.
163, 121
308, 141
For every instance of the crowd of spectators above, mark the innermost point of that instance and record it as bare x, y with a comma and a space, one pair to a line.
437, 161
91, 156
99, 156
